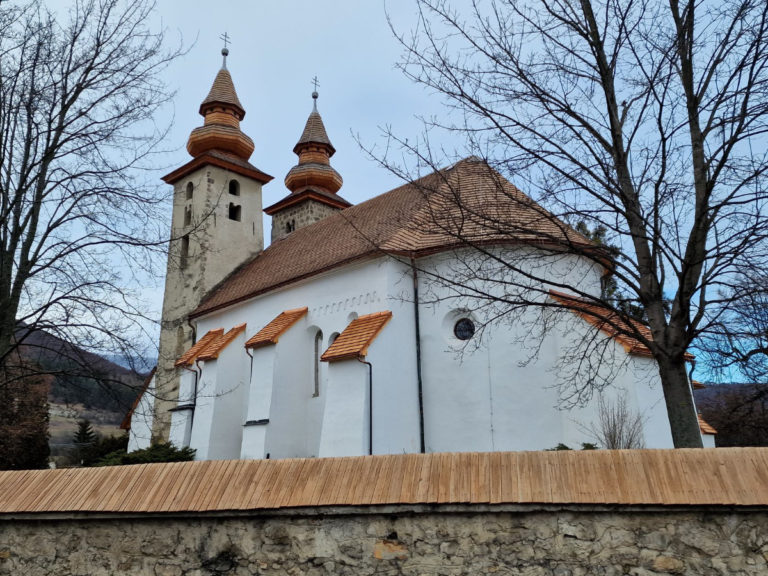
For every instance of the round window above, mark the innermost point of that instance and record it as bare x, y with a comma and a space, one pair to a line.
464, 329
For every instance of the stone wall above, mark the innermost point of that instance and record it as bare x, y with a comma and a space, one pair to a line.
421, 541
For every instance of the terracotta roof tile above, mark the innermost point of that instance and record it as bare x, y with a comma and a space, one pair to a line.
698, 385
703, 477
353, 342
417, 219
271, 333
215, 346
705, 427
188, 358
223, 91
606, 320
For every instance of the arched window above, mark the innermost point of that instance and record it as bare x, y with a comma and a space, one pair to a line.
234, 187
234, 212
318, 353
187, 215
333, 337
190, 190
184, 255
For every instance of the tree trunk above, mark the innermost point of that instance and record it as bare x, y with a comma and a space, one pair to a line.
680, 408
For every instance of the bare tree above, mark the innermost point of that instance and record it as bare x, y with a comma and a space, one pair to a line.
78, 225
645, 119
617, 426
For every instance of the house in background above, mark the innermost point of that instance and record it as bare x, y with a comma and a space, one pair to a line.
349, 334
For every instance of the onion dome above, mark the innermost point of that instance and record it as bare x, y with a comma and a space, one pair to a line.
222, 112
314, 150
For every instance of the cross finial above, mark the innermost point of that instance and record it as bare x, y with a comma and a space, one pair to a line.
225, 50
316, 83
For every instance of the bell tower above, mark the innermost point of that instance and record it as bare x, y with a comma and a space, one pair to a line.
313, 182
216, 226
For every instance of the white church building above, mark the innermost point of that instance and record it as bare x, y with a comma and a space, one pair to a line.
381, 327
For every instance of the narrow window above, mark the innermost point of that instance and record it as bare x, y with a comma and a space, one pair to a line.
234, 211
318, 353
333, 337
190, 190
234, 187
184, 256
187, 215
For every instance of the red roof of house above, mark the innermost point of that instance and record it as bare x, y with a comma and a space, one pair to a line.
188, 358
417, 219
609, 322
271, 333
215, 346
353, 342
705, 427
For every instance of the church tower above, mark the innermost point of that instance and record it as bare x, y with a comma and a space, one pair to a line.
216, 226
313, 182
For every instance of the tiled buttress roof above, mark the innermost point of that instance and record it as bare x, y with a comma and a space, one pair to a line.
683, 477
353, 342
414, 220
271, 333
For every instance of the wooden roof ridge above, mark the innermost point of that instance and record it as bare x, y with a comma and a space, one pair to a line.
271, 333
215, 346
188, 358
354, 341
728, 477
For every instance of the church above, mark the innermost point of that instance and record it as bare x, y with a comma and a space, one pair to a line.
376, 328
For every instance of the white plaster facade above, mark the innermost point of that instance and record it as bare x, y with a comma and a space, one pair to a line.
482, 395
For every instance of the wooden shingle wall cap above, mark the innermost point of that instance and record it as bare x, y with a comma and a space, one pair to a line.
188, 358
215, 346
683, 477
353, 342
271, 333
704, 426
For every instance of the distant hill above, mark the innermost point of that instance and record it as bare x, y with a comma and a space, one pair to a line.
739, 413
79, 376
82, 385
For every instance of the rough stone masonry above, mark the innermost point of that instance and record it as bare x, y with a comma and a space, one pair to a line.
521, 540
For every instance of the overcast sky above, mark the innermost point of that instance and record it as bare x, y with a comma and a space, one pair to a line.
276, 50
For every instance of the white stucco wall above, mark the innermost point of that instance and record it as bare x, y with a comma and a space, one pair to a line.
502, 390
140, 434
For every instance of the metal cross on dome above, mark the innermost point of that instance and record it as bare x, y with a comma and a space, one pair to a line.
315, 82
226, 39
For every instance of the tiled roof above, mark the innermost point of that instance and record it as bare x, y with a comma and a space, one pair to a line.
683, 477
223, 91
271, 333
705, 427
413, 220
697, 385
215, 346
321, 196
606, 320
314, 131
353, 342
188, 358
222, 160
